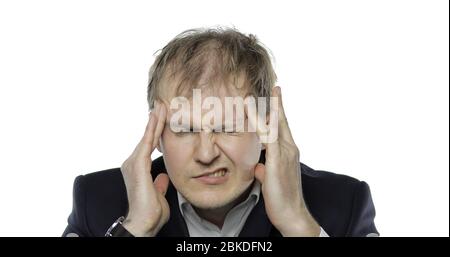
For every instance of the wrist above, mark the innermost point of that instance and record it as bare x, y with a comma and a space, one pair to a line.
117, 230
138, 229
303, 225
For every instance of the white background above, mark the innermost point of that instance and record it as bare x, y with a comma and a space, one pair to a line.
365, 87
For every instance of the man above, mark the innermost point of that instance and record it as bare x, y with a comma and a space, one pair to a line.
217, 181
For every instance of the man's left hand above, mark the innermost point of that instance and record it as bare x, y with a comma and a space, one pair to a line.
280, 178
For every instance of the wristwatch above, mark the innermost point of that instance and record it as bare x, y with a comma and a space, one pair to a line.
117, 230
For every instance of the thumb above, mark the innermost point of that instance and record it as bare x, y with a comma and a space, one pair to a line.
260, 170
161, 183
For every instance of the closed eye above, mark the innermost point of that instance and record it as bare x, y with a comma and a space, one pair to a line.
189, 131
229, 132
184, 131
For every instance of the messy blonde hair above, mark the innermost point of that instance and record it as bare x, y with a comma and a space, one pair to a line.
220, 54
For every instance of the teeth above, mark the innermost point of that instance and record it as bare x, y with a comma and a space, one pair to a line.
219, 173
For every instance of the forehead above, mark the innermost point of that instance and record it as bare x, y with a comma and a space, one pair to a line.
211, 99
181, 97
219, 104
209, 83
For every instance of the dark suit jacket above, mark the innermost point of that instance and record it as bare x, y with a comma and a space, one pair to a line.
340, 204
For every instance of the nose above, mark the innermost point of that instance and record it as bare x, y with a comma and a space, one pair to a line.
206, 150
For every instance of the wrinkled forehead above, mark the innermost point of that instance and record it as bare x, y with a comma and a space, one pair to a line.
212, 102
231, 85
220, 101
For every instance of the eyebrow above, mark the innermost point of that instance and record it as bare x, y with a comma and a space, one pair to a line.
190, 128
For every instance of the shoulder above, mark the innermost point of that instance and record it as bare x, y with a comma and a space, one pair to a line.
109, 184
99, 198
341, 204
326, 180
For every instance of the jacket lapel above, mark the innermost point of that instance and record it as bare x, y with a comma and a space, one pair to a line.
257, 224
176, 226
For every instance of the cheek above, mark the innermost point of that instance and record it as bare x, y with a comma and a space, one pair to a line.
243, 151
176, 156
170, 142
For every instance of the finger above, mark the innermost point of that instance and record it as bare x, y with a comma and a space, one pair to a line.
160, 125
145, 145
260, 170
161, 183
256, 123
284, 131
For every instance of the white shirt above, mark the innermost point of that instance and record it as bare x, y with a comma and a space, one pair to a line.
234, 220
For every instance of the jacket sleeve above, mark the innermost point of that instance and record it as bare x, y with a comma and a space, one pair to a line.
362, 219
77, 225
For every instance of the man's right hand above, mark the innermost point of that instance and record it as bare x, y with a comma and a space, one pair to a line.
148, 208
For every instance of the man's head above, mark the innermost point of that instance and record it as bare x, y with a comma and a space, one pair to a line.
221, 63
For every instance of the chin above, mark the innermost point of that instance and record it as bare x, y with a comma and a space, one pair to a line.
210, 200
215, 197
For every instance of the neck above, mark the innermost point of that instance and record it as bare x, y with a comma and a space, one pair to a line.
217, 216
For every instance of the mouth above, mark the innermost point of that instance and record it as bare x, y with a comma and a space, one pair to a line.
216, 177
